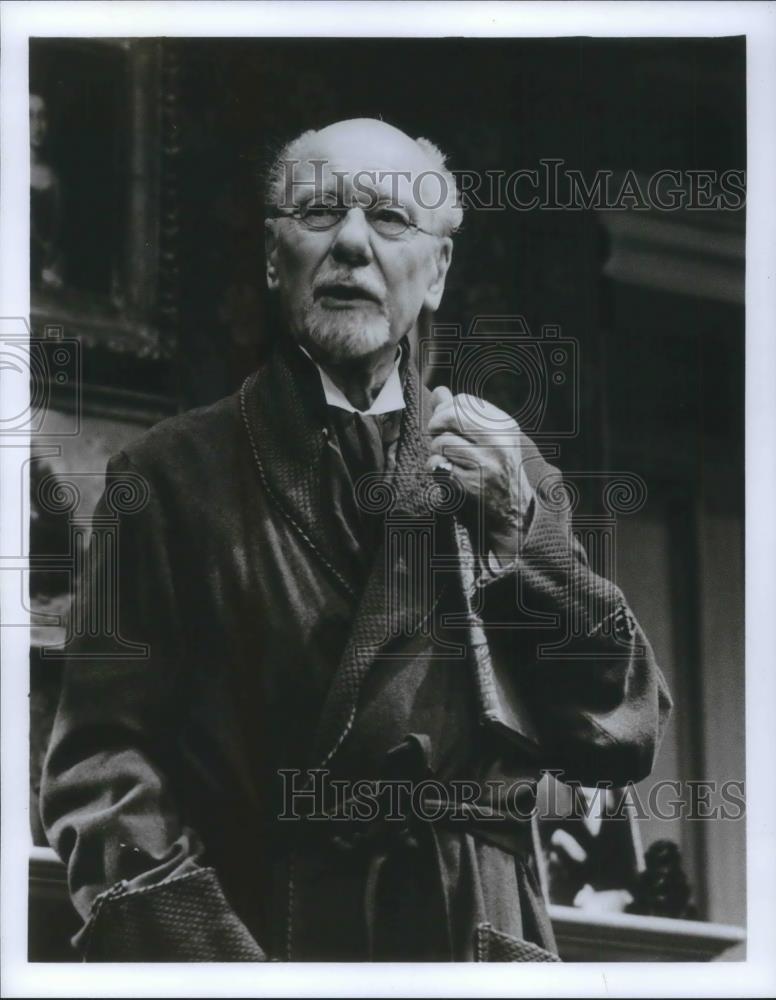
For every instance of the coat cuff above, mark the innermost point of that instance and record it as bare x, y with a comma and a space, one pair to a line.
183, 919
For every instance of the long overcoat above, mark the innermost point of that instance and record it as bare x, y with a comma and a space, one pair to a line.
241, 694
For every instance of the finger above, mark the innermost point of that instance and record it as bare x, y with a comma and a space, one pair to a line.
445, 417
470, 415
446, 439
466, 413
469, 479
451, 417
434, 462
439, 397
457, 450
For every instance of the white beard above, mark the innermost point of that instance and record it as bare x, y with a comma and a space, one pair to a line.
345, 335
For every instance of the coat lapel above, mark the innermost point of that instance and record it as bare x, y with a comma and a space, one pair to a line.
389, 605
284, 412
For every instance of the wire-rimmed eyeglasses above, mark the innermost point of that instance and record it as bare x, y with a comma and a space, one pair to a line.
386, 220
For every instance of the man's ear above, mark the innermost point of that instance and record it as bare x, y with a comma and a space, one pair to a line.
441, 264
271, 253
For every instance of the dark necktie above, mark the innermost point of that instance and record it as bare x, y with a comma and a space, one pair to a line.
361, 442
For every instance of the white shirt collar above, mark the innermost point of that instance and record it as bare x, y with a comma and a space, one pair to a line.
389, 399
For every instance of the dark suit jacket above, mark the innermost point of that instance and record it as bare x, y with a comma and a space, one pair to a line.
243, 648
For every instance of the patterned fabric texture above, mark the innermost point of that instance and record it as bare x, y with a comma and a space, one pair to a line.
493, 946
144, 925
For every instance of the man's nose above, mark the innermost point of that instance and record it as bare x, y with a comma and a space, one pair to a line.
352, 239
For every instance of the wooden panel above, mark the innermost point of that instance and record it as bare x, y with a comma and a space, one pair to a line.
724, 743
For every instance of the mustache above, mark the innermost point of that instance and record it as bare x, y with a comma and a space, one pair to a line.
346, 287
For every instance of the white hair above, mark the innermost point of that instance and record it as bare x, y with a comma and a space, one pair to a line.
449, 210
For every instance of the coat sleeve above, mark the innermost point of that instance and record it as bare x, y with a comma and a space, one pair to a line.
595, 695
108, 802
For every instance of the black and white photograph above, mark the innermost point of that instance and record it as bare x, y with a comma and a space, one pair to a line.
387, 532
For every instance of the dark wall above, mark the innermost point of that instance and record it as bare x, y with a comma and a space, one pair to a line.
616, 104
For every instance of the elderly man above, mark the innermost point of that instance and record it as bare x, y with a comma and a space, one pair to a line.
339, 576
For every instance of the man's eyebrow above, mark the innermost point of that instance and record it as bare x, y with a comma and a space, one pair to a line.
316, 192
375, 198
379, 187
382, 198
388, 192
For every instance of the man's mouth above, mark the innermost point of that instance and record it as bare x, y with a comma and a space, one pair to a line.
343, 294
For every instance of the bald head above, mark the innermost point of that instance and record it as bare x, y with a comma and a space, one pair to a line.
369, 151
376, 143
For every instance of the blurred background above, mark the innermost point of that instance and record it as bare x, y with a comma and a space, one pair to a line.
147, 252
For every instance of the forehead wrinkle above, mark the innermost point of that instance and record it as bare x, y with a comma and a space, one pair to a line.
393, 184
384, 181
